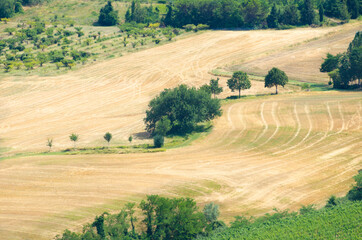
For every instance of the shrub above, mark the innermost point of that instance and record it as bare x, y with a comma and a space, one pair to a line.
158, 141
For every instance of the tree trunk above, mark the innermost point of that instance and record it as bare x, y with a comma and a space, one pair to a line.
239, 93
276, 89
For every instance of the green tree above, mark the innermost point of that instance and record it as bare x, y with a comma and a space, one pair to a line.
239, 81
74, 138
130, 139
291, 15
50, 143
321, 13
275, 78
354, 8
307, 14
163, 126
215, 89
330, 63
18, 8
254, 12
108, 16
132, 218
42, 58
273, 18
107, 137
7, 8
355, 194
184, 107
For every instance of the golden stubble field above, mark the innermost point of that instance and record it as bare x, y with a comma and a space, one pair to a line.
274, 151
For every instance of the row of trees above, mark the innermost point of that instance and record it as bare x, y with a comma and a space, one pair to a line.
75, 137
180, 219
255, 13
345, 68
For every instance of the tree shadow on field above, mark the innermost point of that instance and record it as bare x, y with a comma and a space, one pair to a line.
142, 135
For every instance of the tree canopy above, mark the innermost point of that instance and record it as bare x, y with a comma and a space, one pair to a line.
345, 68
239, 81
184, 107
275, 78
108, 16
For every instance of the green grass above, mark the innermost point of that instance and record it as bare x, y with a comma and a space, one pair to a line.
176, 141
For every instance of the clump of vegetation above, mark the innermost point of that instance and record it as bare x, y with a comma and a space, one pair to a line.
108, 16
345, 69
74, 138
158, 141
108, 137
162, 218
184, 107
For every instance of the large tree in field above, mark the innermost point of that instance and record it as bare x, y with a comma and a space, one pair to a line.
239, 81
275, 78
184, 107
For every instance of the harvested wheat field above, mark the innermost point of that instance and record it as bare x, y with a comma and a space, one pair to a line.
272, 151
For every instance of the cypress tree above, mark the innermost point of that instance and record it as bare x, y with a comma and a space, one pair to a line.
308, 14
321, 13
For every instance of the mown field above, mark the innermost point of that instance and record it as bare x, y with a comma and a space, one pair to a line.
264, 152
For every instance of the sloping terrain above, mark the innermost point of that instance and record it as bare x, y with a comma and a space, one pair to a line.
273, 151
113, 95
279, 151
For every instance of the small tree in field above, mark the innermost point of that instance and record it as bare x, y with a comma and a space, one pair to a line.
107, 137
74, 138
130, 139
239, 81
50, 143
276, 77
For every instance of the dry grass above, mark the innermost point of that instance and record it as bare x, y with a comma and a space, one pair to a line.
273, 151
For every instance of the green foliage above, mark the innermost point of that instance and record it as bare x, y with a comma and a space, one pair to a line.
355, 194
107, 137
163, 126
308, 15
171, 218
239, 81
291, 15
273, 17
7, 8
213, 87
50, 143
108, 16
130, 139
343, 220
184, 107
336, 9
321, 13
275, 78
138, 14
158, 141
330, 63
345, 68
74, 138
